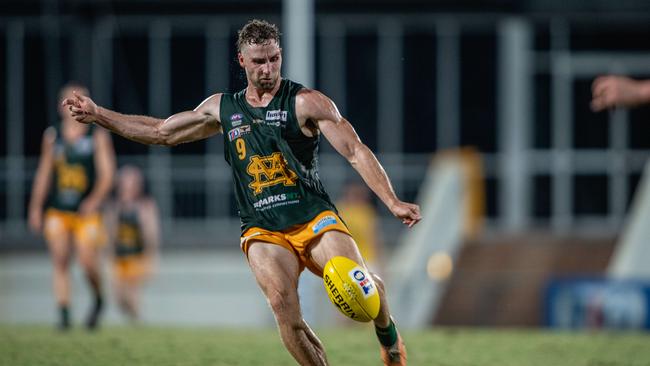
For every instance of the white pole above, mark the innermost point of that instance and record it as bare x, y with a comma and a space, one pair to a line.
298, 40
514, 121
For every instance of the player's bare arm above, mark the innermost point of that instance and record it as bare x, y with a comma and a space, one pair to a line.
618, 91
188, 126
110, 219
316, 112
105, 163
42, 180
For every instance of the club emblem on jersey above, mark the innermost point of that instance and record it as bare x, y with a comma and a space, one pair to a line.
127, 235
268, 171
71, 176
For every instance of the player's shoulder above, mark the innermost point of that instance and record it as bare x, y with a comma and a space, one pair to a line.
50, 133
311, 98
147, 203
98, 132
312, 103
211, 106
100, 137
49, 139
213, 100
310, 93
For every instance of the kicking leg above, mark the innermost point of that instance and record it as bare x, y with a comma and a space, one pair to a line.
277, 270
335, 243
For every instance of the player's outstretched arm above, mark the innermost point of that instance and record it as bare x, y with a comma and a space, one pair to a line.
313, 106
618, 91
182, 127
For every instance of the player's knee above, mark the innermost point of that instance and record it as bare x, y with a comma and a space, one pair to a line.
281, 304
278, 302
87, 259
88, 266
60, 263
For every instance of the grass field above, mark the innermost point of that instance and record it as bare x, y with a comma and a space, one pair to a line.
32, 345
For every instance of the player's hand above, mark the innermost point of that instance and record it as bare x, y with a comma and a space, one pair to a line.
409, 213
88, 206
615, 91
35, 221
81, 108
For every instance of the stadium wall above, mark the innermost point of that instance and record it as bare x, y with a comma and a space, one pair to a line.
501, 281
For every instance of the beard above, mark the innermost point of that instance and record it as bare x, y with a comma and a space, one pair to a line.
266, 84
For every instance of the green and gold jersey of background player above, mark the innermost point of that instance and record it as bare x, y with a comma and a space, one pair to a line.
74, 171
274, 165
129, 235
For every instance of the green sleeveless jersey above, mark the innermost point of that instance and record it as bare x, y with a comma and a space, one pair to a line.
274, 165
129, 240
74, 171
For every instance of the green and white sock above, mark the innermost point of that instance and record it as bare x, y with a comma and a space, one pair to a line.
387, 336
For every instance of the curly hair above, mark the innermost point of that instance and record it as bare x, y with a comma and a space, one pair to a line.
257, 32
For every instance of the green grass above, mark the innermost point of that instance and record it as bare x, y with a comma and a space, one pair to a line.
33, 345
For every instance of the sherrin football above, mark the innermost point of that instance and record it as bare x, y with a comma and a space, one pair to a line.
351, 289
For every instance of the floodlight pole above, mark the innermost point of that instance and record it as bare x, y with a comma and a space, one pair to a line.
298, 40
514, 106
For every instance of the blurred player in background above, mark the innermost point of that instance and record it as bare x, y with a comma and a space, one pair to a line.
74, 176
271, 133
360, 217
619, 91
134, 231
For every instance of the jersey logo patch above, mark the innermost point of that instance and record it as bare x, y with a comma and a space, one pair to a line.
276, 115
236, 119
268, 171
322, 223
238, 132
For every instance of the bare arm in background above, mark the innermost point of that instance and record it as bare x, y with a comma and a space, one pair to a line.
314, 107
105, 171
41, 185
150, 221
200, 123
110, 217
618, 91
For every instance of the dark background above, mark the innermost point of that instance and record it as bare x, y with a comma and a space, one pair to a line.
478, 70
